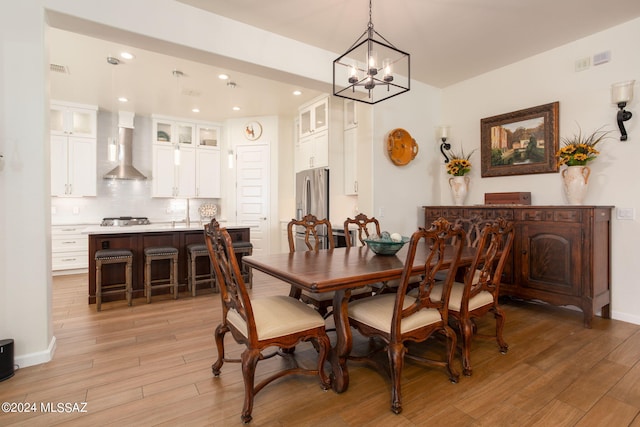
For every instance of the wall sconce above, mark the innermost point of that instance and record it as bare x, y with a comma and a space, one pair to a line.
621, 93
442, 135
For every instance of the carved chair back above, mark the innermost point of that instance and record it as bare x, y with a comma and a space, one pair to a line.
485, 274
233, 291
313, 229
445, 241
366, 226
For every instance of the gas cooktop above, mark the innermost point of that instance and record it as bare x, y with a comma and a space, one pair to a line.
124, 221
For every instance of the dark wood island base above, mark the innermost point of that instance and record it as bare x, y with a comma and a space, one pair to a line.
136, 240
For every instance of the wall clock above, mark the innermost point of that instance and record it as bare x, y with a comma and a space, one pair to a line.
252, 131
401, 147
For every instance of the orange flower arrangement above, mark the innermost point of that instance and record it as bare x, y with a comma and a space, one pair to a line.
577, 150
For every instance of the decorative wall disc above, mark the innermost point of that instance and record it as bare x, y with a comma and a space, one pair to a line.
402, 148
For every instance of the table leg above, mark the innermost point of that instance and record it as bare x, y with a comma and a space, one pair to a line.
338, 355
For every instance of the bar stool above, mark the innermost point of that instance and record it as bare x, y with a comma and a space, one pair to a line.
113, 256
195, 251
241, 249
159, 253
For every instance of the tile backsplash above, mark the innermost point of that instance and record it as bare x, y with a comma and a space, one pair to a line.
124, 197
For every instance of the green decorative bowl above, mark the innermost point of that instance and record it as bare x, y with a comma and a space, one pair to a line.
385, 247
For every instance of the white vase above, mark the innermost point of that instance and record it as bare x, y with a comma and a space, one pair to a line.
575, 180
459, 189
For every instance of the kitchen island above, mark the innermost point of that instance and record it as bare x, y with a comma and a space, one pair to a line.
138, 237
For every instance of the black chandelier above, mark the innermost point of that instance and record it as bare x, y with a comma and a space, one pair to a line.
371, 70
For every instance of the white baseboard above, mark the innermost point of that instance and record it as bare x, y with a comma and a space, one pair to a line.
37, 358
625, 317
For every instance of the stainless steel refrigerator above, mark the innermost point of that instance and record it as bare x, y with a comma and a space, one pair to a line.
312, 197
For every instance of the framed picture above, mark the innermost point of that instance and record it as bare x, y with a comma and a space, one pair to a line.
521, 142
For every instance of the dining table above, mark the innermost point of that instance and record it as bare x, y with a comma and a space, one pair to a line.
340, 270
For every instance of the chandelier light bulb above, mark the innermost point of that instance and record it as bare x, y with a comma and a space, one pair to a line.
386, 65
353, 74
373, 61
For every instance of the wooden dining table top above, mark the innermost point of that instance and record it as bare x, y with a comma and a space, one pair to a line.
340, 268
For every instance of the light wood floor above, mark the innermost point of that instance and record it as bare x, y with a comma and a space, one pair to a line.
150, 365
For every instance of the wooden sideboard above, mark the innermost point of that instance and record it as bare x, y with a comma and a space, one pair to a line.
561, 254
138, 240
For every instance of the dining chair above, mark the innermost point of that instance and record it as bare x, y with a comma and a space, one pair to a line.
398, 318
478, 294
311, 228
277, 321
365, 227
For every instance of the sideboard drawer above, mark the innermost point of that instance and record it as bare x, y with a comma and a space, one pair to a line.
535, 215
567, 215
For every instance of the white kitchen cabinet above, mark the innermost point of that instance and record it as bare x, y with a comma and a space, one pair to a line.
186, 169
312, 151
312, 147
350, 120
350, 140
186, 173
69, 248
174, 173
73, 119
314, 117
208, 137
208, 174
208, 161
169, 131
73, 166
164, 174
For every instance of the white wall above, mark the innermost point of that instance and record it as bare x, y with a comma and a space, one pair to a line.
584, 101
400, 191
25, 237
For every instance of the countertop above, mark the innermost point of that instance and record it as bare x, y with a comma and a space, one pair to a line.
157, 227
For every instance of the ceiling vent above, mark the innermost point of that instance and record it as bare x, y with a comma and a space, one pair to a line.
56, 68
191, 92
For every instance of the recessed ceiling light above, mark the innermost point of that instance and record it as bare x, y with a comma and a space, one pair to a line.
297, 93
123, 99
223, 76
126, 55
236, 108
196, 110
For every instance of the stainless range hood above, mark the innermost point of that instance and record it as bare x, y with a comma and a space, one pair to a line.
124, 144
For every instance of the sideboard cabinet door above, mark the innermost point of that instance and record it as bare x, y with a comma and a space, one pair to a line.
550, 258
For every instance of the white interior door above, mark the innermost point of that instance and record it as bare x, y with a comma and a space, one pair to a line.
252, 201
